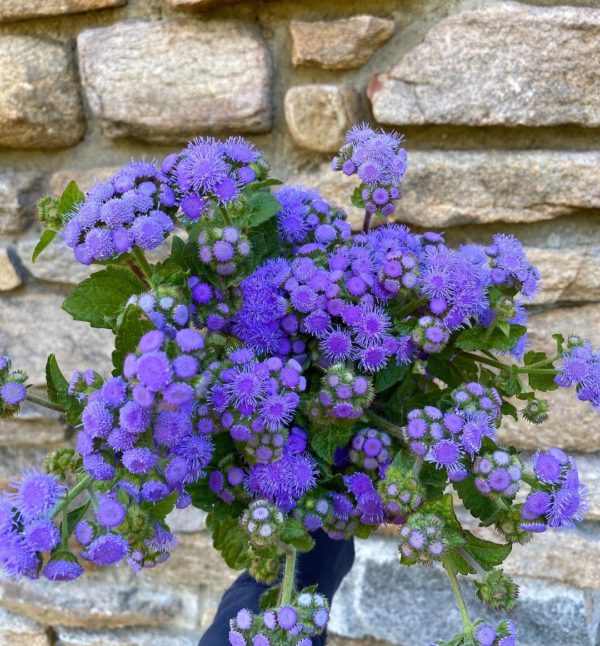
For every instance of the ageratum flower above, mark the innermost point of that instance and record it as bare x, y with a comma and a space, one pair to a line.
580, 367
209, 171
134, 208
308, 223
13, 390
423, 539
380, 163
558, 499
497, 474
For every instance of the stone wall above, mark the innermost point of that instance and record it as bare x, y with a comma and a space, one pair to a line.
500, 105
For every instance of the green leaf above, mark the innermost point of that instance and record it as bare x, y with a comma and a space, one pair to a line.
158, 511
486, 553
70, 197
56, 383
45, 239
293, 533
264, 240
542, 382
444, 508
269, 598
230, 539
325, 441
58, 391
185, 254
132, 327
75, 515
100, 298
509, 409
434, 479
389, 376
560, 340
479, 506
357, 198
259, 207
478, 338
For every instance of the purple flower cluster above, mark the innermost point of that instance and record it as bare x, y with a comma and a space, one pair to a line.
497, 474
343, 395
227, 483
401, 493
445, 438
308, 223
289, 625
222, 249
255, 401
380, 163
27, 529
510, 267
334, 513
208, 307
370, 449
12, 388
134, 208
580, 367
209, 170
263, 522
164, 308
558, 498
138, 431
423, 538
505, 634
286, 480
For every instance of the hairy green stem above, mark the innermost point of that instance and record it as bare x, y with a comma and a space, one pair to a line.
460, 600
225, 216
64, 528
289, 573
410, 307
367, 222
71, 495
471, 561
392, 429
417, 466
46, 403
142, 263
534, 368
477, 357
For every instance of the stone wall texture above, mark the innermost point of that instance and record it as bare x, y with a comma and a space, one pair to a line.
500, 104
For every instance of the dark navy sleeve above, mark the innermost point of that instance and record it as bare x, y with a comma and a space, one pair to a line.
326, 566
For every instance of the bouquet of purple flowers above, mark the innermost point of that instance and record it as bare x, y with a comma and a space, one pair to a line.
287, 375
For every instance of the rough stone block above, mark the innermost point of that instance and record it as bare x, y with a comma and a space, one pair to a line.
505, 64
84, 177
412, 606
12, 10
55, 265
77, 637
195, 563
18, 193
172, 80
117, 601
21, 631
447, 188
338, 44
319, 116
9, 276
40, 105
15, 458
33, 426
33, 325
